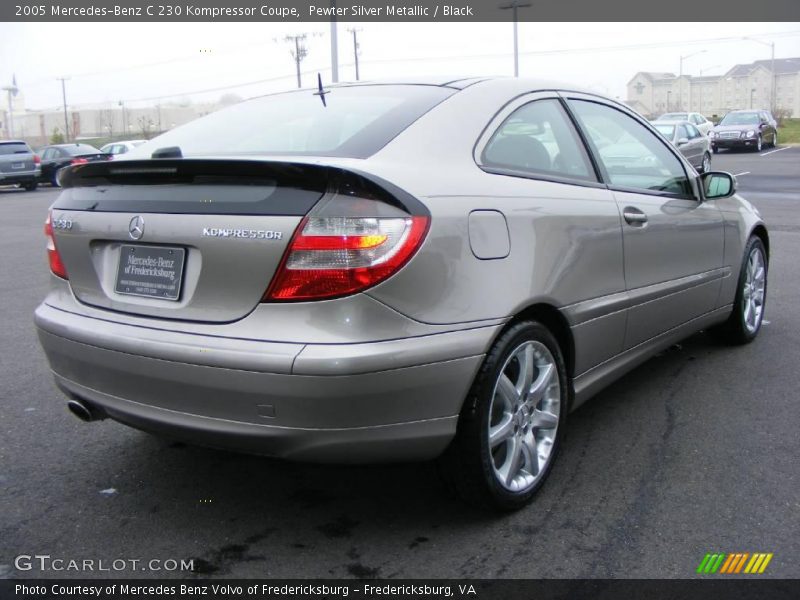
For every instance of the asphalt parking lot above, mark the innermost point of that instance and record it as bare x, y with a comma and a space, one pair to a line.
694, 452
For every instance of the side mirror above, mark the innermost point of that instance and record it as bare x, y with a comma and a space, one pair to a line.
718, 184
683, 141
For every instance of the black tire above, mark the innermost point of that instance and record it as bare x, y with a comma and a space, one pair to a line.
54, 178
31, 186
715, 150
701, 168
734, 330
466, 466
760, 144
775, 140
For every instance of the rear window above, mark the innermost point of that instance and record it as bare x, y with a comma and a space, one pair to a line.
78, 149
14, 148
355, 122
665, 130
673, 117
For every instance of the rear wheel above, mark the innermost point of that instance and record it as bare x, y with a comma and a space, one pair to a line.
705, 166
54, 178
775, 140
714, 149
745, 321
31, 186
512, 422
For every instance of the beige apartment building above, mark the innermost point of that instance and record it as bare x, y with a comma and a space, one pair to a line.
743, 86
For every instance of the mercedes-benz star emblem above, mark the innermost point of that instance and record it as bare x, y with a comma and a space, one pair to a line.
136, 228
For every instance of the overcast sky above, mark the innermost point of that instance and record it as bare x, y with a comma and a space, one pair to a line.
148, 63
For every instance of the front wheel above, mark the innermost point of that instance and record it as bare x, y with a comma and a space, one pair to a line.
775, 140
512, 423
745, 321
759, 144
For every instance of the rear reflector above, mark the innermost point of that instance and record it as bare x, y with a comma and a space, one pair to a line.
56, 264
337, 256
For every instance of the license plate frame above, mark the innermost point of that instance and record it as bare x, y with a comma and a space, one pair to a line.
157, 273
18, 165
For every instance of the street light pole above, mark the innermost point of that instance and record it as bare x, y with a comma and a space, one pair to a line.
64, 98
514, 5
334, 45
680, 80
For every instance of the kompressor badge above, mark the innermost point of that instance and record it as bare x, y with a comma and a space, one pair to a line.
250, 234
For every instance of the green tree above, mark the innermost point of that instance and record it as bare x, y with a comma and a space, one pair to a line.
57, 137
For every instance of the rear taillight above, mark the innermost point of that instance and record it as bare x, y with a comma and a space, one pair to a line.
332, 256
78, 161
36, 159
56, 264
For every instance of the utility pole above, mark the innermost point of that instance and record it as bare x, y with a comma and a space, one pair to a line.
63, 81
680, 80
701, 87
334, 45
12, 90
124, 123
299, 53
355, 31
514, 5
772, 94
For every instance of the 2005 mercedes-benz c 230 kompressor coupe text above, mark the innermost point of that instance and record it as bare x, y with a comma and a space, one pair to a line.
383, 272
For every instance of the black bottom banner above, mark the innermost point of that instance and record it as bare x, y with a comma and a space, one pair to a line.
479, 589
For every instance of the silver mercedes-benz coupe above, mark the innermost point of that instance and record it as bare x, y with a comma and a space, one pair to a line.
384, 272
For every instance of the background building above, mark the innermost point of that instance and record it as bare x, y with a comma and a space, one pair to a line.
743, 86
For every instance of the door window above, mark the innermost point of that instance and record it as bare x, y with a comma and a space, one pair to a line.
692, 131
538, 139
631, 155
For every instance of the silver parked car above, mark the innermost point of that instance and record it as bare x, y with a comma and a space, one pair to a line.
19, 165
694, 146
382, 272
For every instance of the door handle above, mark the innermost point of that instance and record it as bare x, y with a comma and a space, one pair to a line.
634, 216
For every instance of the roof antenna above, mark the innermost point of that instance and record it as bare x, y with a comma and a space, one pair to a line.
320, 90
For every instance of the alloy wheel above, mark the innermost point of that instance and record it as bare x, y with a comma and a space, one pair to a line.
524, 416
706, 166
753, 293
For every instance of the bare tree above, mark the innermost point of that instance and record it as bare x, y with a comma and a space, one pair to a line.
146, 125
107, 122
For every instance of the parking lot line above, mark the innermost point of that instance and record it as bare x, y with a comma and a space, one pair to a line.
742, 173
776, 150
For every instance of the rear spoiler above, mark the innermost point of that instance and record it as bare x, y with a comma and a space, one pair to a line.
87, 185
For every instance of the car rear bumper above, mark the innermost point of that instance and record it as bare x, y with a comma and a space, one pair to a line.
320, 402
20, 177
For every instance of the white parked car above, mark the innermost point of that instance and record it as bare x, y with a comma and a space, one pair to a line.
115, 148
696, 119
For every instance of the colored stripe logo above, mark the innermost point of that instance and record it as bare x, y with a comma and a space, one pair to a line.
734, 563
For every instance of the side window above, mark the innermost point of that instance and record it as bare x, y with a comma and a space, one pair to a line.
683, 132
48, 154
693, 132
631, 155
538, 138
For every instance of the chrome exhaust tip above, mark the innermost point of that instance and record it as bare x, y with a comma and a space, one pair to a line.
81, 410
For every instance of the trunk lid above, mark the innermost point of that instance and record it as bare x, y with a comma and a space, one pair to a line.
184, 239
